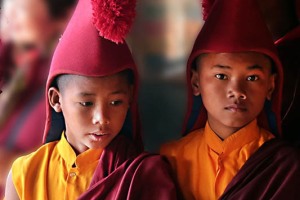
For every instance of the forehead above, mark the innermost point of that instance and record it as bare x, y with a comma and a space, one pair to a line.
246, 59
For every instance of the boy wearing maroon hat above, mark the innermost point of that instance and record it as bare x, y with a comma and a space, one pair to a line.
234, 77
93, 144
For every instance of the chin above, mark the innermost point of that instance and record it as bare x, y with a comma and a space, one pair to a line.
95, 146
236, 123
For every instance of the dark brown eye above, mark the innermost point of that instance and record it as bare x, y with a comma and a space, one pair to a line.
252, 78
116, 103
221, 76
86, 104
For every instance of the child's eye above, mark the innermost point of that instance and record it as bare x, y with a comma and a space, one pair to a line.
86, 104
221, 76
252, 78
116, 103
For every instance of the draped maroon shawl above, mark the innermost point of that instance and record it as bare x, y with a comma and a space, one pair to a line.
123, 173
273, 172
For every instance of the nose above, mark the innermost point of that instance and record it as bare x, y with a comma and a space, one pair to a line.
100, 117
236, 90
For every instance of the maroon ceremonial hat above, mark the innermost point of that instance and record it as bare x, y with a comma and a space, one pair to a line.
93, 44
234, 26
206, 5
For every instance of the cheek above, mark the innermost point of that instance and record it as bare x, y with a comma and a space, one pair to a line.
118, 117
256, 97
212, 90
257, 91
74, 114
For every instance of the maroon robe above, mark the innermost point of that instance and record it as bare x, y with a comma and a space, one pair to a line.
123, 173
273, 172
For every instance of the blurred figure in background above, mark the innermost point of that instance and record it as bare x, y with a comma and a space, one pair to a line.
30, 30
1, 73
282, 18
1, 70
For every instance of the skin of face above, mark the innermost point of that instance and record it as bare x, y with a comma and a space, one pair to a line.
27, 22
233, 87
94, 109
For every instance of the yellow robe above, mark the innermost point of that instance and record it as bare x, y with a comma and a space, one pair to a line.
204, 164
54, 172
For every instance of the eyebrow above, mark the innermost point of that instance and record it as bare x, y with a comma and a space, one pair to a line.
221, 66
253, 67
86, 94
119, 92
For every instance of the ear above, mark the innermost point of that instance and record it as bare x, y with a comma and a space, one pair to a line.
195, 82
271, 86
54, 97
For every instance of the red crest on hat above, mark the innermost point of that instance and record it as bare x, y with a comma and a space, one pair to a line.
113, 18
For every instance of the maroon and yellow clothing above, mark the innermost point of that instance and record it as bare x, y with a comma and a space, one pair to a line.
54, 169
204, 164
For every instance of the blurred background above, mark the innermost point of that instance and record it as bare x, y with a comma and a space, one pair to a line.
161, 40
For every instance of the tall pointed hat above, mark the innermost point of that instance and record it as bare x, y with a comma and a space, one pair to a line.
234, 26
93, 44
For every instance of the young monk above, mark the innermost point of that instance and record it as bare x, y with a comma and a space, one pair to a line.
234, 77
93, 143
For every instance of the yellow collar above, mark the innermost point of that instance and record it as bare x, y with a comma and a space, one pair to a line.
68, 154
237, 140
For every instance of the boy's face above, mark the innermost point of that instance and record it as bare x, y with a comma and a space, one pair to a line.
94, 109
233, 87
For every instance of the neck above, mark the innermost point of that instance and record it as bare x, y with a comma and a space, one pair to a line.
223, 132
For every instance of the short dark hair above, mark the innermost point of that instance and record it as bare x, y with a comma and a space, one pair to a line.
197, 61
61, 80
